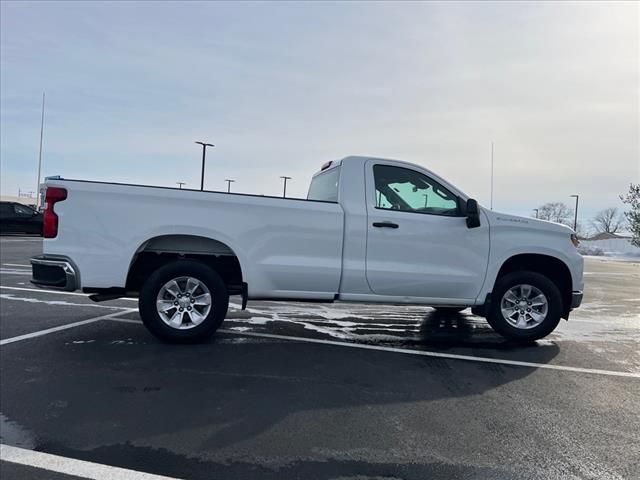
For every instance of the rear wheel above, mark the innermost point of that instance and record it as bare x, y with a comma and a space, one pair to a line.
183, 301
525, 306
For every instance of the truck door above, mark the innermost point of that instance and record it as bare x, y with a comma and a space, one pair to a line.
418, 243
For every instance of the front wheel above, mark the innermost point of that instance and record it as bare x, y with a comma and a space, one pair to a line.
525, 306
183, 301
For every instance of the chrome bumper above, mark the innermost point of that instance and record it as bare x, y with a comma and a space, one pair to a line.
576, 299
54, 272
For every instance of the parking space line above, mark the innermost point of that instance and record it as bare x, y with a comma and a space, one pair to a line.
13, 271
57, 292
232, 305
40, 333
72, 466
42, 290
126, 320
62, 303
16, 265
424, 353
20, 239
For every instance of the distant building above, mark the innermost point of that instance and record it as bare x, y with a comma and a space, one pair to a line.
609, 236
610, 244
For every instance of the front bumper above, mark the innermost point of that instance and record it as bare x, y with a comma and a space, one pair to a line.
576, 299
54, 272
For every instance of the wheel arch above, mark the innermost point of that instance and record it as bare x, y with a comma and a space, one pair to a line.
551, 267
162, 249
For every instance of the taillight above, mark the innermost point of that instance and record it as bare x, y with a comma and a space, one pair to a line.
50, 221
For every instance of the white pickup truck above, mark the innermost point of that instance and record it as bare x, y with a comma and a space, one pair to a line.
370, 230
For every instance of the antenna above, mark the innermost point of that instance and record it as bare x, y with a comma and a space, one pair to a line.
492, 175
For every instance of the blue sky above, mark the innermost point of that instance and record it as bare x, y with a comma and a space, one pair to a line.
282, 87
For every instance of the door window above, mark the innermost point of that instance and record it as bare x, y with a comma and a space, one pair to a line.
406, 190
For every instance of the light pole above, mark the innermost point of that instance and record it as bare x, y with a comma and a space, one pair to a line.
229, 182
284, 190
180, 184
575, 218
40, 155
536, 210
204, 154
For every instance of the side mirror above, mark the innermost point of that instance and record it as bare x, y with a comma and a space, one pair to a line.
473, 214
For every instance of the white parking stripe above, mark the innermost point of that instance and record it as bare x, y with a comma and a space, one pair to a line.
71, 466
231, 304
450, 356
57, 292
20, 239
16, 265
114, 316
423, 353
64, 327
13, 271
126, 320
42, 290
63, 303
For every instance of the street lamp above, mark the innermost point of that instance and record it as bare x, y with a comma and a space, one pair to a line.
40, 154
180, 184
229, 182
204, 154
284, 190
575, 218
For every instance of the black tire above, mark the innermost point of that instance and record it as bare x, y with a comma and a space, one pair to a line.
554, 309
450, 309
153, 284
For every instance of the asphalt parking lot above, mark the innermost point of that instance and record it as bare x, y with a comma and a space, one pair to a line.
317, 391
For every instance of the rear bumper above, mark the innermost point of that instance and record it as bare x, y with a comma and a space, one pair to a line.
576, 299
54, 272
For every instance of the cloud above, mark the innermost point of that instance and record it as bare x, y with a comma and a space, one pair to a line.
281, 88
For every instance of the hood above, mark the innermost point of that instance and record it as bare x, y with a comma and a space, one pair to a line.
505, 219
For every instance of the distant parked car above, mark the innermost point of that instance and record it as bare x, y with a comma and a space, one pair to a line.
18, 218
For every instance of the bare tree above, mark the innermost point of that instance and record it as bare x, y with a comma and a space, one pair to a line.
608, 220
632, 198
556, 212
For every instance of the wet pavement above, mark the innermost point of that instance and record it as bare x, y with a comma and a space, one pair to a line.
292, 390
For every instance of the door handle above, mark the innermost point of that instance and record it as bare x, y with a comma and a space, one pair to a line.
385, 224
